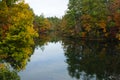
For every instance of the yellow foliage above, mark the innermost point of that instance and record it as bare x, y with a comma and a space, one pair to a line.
117, 19
106, 34
2, 66
86, 17
83, 34
87, 27
102, 24
118, 36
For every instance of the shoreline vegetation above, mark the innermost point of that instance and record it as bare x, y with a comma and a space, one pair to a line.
85, 20
96, 20
89, 20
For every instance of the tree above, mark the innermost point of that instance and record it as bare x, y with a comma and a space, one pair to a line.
41, 24
92, 18
17, 33
55, 23
9, 3
3, 20
114, 8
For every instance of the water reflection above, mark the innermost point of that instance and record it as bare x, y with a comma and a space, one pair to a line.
7, 74
17, 58
16, 54
87, 60
43, 39
92, 60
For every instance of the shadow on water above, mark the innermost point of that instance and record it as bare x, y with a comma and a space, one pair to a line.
92, 60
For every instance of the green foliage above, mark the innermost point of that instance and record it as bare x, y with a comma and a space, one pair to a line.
9, 3
55, 23
7, 74
17, 34
91, 18
41, 24
3, 19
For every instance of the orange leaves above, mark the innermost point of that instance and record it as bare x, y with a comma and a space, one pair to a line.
86, 22
83, 34
116, 14
115, 11
117, 19
42, 24
87, 27
102, 24
86, 17
114, 6
118, 36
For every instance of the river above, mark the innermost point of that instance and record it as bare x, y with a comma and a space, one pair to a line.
74, 60
67, 59
47, 64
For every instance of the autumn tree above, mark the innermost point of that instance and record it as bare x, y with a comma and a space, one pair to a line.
91, 18
73, 17
114, 8
55, 23
41, 24
17, 33
3, 19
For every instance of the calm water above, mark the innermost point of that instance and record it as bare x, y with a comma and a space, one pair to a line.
66, 60
47, 64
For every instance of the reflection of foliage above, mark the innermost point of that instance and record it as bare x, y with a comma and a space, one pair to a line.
18, 57
7, 74
42, 40
94, 58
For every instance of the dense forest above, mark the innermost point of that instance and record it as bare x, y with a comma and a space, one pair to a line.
92, 19
84, 19
88, 19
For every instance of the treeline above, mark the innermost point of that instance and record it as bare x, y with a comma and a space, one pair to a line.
96, 19
89, 19
46, 25
99, 19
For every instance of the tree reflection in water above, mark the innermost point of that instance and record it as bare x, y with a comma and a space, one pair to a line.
88, 60
16, 53
7, 74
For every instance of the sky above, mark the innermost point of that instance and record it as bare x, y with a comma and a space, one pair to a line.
48, 7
